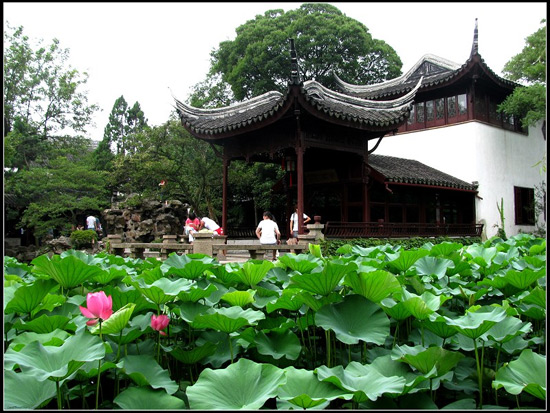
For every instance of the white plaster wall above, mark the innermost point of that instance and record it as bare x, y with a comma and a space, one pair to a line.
474, 151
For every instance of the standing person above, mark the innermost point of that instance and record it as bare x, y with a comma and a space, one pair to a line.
211, 225
91, 224
192, 225
268, 232
294, 222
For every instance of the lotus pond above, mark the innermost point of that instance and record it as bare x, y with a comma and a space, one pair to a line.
441, 326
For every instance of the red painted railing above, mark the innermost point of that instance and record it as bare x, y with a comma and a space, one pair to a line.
399, 230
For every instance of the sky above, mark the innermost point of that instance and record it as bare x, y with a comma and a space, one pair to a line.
152, 52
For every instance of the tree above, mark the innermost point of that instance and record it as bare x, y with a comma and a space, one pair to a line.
124, 123
41, 89
327, 41
528, 102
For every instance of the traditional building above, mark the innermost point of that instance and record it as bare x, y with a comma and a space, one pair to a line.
326, 142
455, 127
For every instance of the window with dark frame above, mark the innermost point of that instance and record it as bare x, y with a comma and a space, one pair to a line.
524, 206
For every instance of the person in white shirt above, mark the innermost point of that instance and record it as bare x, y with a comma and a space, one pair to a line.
211, 225
268, 232
294, 222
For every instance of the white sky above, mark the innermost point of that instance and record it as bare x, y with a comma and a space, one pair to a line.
149, 51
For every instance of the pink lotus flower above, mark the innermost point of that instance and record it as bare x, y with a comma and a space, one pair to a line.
99, 307
160, 323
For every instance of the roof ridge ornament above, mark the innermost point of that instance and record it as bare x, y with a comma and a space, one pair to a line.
294, 69
475, 43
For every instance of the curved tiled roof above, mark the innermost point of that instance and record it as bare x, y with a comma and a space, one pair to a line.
400, 170
435, 71
365, 113
238, 115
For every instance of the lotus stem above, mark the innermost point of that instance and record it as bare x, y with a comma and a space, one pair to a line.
58, 390
98, 372
479, 376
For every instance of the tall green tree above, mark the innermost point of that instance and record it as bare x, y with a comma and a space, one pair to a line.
42, 90
124, 123
326, 40
528, 67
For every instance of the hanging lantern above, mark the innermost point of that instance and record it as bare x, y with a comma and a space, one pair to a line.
290, 164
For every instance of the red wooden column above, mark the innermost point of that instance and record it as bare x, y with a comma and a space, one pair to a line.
300, 179
224, 194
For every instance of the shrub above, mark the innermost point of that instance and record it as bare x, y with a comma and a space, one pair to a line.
83, 239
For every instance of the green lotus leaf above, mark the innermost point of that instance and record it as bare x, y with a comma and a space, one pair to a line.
433, 266
189, 310
45, 324
355, 319
315, 303
252, 384
23, 392
484, 255
117, 321
279, 344
305, 390
112, 273
536, 296
190, 268
475, 323
127, 335
144, 398
239, 298
315, 250
56, 363
130, 295
28, 297
252, 271
437, 325
507, 329
54, 338
388, 367
323, 282
527, 373
68, 272
373, 285
396, 310
289, 300
226, 273
424, 305
406, 260
227, 320
425, 360
163, 290
145, 371
195, 355
444, 249
363, 381
303, 263
523, 279
197, 293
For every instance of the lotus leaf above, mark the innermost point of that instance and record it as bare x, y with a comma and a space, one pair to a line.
145, 371
355, 319
23, 392
323, 282
252, 384
373, 285
68, 272
279, 344
527, 373
305, 390
56, 363
144, 398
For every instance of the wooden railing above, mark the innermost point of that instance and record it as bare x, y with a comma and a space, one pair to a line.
399, 230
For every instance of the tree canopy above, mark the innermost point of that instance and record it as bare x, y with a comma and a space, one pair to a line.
529, 67
326, 40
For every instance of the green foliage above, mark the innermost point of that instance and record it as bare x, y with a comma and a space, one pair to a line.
339, 332
83, 239
326, 40
529, 66
330, 246
41, 89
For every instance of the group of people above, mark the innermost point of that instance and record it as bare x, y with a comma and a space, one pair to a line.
194, 225
267, 231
